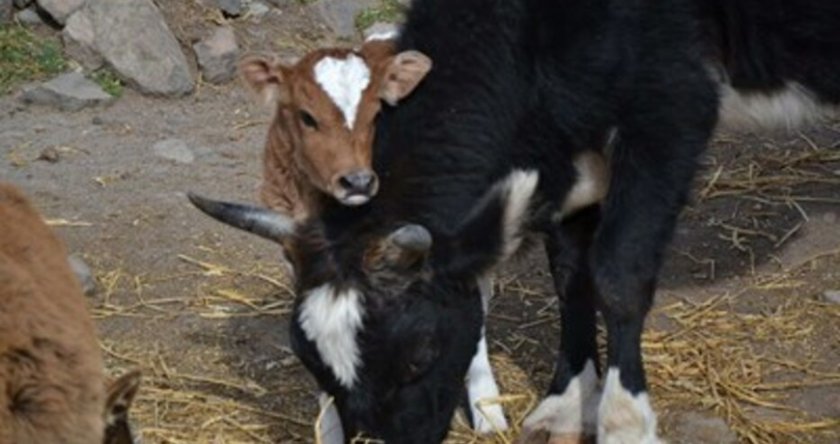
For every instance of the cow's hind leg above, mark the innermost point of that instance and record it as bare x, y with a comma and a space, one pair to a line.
653, 168
568, 413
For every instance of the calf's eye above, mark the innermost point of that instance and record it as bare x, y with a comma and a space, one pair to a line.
308, 120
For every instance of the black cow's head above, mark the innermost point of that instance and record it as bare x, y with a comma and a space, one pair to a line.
388, 316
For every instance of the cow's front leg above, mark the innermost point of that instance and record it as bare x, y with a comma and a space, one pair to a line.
568, 413
482, 390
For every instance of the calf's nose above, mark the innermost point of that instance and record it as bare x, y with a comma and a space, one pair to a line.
358, 182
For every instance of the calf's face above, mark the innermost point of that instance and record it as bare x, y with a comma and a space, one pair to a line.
327, 104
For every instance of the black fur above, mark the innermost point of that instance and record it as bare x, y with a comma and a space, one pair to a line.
529, 84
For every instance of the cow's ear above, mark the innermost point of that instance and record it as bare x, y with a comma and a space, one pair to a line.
404, 250
403, 73
265, 77
495, 227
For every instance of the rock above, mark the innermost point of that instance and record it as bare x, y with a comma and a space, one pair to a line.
217, 55
832, 296
83, 274
68, 92
229, 7
80, 42
257, 9
175, 150
6, 8
49, 155
20, 4
340, 15
698, 428
381, 31
133, 38
60, 10
29, 17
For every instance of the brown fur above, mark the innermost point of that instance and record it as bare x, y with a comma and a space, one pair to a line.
52, 382
300, 162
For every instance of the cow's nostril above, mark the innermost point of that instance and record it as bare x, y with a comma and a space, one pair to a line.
360, 182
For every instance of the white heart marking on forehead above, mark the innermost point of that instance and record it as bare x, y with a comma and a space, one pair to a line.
331, 320
344, 80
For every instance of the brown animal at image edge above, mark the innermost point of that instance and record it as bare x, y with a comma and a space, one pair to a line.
53, 388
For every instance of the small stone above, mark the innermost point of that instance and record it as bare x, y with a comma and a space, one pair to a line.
832, 296
83, 274
698, 428
217, 55
60, 10
29, 17
257, 9
381, 31
96, 120
49, 155
175, 150
68, 92
340, 15
230, 7
830, 217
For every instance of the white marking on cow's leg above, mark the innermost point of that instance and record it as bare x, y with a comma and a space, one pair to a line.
787, 108
520, 186
572, 415
329, 429
344, 80
624, 418
481, 383
331, 320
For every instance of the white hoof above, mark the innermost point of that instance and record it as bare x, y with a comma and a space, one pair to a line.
571, 416
624, 418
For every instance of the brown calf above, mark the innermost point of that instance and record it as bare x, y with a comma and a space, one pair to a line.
52, 381
321, 137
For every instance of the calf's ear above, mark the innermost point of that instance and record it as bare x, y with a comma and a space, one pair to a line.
495, 227
265, 78
403, 73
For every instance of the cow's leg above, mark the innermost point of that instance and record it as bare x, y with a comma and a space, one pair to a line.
569, 411
653, 168
481, 384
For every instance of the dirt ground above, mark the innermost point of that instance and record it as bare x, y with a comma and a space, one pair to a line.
743, 330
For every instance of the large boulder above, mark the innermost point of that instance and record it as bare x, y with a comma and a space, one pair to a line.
133, 38
60, 10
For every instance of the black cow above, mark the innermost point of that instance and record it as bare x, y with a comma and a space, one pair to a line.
483, 155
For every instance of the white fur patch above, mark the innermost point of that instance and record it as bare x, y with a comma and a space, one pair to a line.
788, 108
329, 429
520, 186
344, 80
482, 391
573, 413
481, 383
385, 35
624, 418
331, 320
591, 187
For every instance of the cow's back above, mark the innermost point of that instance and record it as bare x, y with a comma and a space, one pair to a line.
52, 386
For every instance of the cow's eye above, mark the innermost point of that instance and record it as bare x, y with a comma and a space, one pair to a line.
308, 120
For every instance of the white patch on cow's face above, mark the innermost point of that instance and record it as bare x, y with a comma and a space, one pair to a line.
624, 418
572, 414
788, 108
385, 35
520, 186
344, 80
331, 320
